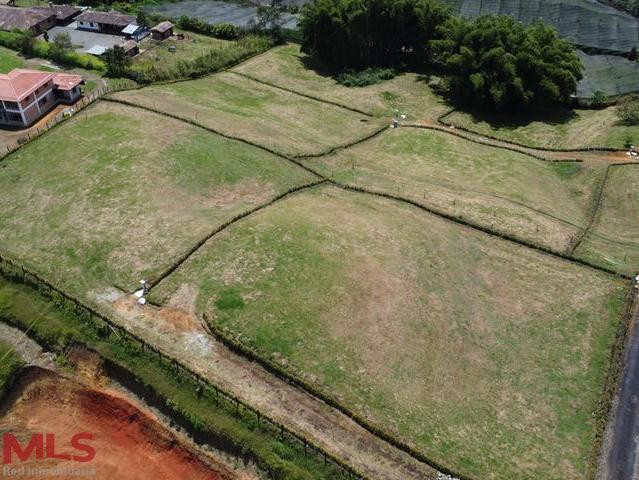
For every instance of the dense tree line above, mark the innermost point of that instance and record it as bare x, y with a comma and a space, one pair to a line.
496, 62
492, 61
362, 33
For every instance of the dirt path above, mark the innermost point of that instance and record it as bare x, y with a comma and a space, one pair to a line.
181, 335
621, 445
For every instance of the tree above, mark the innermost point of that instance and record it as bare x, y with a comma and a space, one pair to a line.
270, 18
358, 34
628, 111
60, 46
142, 19
598, 99
118, 62
27, 43
496, 62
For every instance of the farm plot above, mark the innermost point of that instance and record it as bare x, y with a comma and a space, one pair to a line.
269, 117
565, 129
119, 195
613, 240
540, 202
285, 67
482, 354
188, 48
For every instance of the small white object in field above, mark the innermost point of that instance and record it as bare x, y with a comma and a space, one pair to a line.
403, 116
141, 301
139, 294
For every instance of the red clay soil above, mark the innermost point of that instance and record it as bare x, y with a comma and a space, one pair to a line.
129, 443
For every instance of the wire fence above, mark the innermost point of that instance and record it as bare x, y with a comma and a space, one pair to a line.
100, 321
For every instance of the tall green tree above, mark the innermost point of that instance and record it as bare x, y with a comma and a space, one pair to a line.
496, 62
118, 62
366, 33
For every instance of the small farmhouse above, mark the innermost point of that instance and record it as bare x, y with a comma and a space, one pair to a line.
131, 48
105, 22
27, 95
28, 19
162, 31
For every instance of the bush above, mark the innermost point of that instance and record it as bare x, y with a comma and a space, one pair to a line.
628, 112
224, 31
370, 76
495, 62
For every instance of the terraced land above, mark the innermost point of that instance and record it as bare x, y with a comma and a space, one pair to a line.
569, 129
288, 68
266, 116
415, 322
613, 240
118, 193
540, 202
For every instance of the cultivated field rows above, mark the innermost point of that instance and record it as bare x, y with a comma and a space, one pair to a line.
410, 312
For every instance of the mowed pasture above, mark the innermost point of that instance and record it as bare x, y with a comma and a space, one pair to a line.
117, 194
540, 202
287, 67
564, 129
488, 357
613, 240
267, 116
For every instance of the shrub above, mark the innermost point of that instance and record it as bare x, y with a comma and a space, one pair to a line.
370, 76
628, 112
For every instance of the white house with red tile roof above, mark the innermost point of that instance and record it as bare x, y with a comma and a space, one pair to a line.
26, 95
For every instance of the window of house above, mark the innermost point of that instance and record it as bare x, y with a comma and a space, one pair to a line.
43, 101
12, 105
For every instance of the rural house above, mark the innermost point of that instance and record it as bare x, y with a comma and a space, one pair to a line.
131, 48
36, 21
105, 22
64, 14
162, 31
27, 95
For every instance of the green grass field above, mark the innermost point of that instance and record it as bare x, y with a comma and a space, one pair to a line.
284, 66
156, 54
9, 60
117, 196
488, 357
541, 202
613, 240
266, 116
565, 129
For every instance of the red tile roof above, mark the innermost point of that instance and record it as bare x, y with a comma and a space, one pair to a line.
20, 83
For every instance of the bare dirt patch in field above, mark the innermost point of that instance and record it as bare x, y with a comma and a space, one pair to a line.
128, 442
